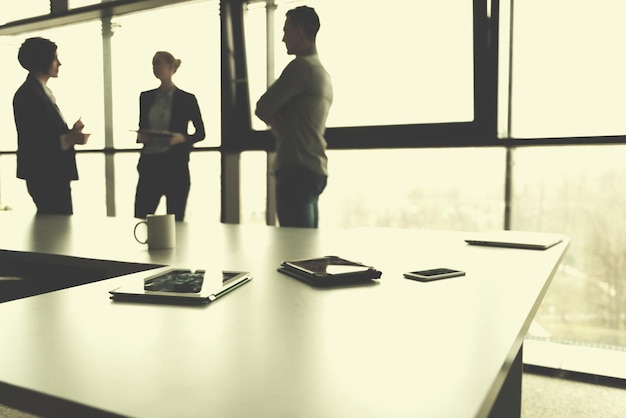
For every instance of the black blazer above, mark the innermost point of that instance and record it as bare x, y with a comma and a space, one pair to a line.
184, 109
39, 128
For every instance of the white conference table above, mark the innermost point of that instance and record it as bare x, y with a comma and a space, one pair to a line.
275, 347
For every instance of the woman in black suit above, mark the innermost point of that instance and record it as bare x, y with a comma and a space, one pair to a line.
45, 145
164, 116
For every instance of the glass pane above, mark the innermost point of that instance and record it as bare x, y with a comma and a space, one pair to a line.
387, 67
256, 54
191, 32
78, 89
13, 76
74, 4
568, 68
253, 187
16, 10
398, 188
427, 188
205, 194
204, 197
566, 189
88, 193
13, 193
125, 184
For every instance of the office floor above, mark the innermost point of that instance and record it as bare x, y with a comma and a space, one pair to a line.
555, 397
6, 412
542, 397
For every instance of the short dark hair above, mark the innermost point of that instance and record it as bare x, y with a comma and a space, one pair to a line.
307, 19
37, 54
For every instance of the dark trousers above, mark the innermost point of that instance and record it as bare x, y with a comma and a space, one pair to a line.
159, 176
297, 194
51, 196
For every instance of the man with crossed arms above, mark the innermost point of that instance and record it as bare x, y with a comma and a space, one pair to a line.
296, 107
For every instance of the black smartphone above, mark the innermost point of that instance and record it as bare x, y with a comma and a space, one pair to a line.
433, 274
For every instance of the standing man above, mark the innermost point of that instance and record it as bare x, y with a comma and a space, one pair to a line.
296, 108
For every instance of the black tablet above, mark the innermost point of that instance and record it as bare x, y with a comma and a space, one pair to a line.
329, 271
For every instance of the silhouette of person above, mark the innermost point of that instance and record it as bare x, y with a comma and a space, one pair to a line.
164, 116
46, 158
296, 107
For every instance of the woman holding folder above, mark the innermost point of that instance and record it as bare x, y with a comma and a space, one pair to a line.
164, 116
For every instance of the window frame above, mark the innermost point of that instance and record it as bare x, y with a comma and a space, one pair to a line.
479, 132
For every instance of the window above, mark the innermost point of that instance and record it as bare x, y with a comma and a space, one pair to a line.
564, 189
253, 187
126, 177
419, 188
13, 76
203, 204
401, 62
568, 68
80, 92
13, 193
74, 4
17, 10
78, 89
568, 81
191, 32
89, 193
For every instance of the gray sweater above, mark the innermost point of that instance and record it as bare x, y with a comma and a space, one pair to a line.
297, 105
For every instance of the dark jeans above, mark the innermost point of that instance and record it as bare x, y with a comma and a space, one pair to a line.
51, 196
297, 193
159, 176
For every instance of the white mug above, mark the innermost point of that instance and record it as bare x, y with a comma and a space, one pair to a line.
161, 231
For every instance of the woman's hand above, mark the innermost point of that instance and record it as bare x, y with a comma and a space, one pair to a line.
75, 136
78, 125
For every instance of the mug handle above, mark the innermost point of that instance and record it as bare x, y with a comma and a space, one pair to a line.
135, 232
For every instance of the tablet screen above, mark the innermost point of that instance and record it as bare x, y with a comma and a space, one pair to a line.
329, 265
178, 281
182, 284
